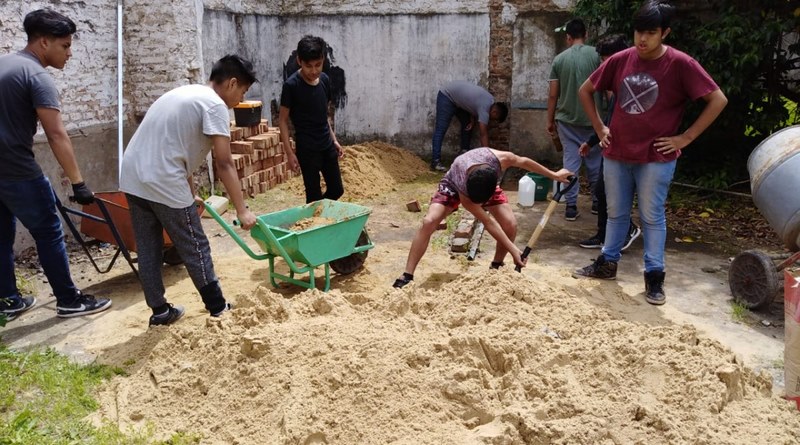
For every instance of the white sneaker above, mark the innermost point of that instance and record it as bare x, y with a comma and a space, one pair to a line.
633, 233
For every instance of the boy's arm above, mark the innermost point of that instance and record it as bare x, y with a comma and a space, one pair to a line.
552, 100
586, 95
484, 134
61, 145
508, 159
715, 103
493, 228
283, 124
227, 174
336, 144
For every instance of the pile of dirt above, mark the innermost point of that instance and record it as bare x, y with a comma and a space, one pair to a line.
492, 357
373, 169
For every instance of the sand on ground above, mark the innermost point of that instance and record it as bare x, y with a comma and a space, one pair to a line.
463, 355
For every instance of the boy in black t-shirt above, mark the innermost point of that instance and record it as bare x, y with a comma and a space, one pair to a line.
304, 99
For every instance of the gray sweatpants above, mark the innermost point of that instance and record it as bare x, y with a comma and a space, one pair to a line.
186, 232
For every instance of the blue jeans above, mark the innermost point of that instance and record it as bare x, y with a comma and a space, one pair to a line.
651, 183
572, 136
33, 202
445, 110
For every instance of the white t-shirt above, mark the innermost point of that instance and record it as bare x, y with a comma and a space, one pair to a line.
172, 141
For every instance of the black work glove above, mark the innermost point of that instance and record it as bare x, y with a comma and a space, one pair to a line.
82, 193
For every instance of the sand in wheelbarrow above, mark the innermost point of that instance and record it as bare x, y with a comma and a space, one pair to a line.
490, 357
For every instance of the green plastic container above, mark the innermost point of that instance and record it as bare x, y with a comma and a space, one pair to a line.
316, 245
542, 186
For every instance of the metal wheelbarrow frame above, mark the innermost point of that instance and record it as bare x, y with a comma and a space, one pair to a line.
108, 219
293, 246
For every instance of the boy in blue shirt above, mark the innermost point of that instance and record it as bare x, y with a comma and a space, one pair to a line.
304, 99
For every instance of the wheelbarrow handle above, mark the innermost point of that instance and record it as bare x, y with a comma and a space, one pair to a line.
233, 233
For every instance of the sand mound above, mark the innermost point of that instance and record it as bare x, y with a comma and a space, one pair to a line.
372, 169
493, 357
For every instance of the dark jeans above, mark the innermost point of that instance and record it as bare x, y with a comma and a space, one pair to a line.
445, 110
312, 163
33, 202
183, 226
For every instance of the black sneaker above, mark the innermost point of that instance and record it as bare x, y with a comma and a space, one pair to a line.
18, 305
594, 208
496, 265
654, 287
438, 167
171, 316
403, 280
601, 268
227, 307
595, 242
633, 233
572, 213
85, 304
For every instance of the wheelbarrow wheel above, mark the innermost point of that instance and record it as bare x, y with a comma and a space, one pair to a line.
172, 257
352, 262
753, 279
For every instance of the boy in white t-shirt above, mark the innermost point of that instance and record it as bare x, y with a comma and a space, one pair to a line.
172, 141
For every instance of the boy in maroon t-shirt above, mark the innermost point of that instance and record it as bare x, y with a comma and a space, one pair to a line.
652, 83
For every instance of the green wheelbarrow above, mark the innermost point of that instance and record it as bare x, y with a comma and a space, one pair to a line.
339, 242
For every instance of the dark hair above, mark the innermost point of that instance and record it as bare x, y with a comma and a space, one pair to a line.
502, 107
48, 23
611, 44
653, 14
311, 48
576, 28
481, 183
233, 66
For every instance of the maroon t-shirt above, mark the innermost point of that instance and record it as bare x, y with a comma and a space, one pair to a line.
651, 96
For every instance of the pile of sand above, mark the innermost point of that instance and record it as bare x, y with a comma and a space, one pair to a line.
492, 357
372, 169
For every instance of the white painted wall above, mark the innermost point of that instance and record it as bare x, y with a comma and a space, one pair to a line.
393, 64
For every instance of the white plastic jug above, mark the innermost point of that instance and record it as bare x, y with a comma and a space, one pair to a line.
527, 191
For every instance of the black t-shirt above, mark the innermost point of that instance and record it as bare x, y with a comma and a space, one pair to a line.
308, 109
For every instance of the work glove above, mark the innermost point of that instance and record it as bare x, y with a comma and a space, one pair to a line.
82, 193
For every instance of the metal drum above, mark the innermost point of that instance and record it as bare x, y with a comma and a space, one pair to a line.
774, 168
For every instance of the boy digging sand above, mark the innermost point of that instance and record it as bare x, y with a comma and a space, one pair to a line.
472, 181
173, 140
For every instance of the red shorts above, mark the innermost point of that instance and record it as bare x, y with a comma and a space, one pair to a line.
449, 198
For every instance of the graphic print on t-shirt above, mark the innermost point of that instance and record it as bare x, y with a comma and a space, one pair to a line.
638, 93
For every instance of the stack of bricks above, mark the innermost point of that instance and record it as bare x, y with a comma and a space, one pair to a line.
259, 157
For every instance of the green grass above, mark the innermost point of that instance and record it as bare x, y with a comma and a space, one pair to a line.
739, 312
45, 398
441, 238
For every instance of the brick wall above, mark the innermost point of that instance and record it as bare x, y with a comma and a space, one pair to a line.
88, 83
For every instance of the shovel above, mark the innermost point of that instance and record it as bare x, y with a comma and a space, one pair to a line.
543, 222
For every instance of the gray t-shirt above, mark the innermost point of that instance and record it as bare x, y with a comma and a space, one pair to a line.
470, 97
171, 143
456, 177
24, 86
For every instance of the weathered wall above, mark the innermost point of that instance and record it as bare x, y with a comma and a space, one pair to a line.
395, 56
393, 64
162, 49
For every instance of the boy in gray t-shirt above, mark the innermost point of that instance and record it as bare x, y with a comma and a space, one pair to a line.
472, 105
177, 133
27, 95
